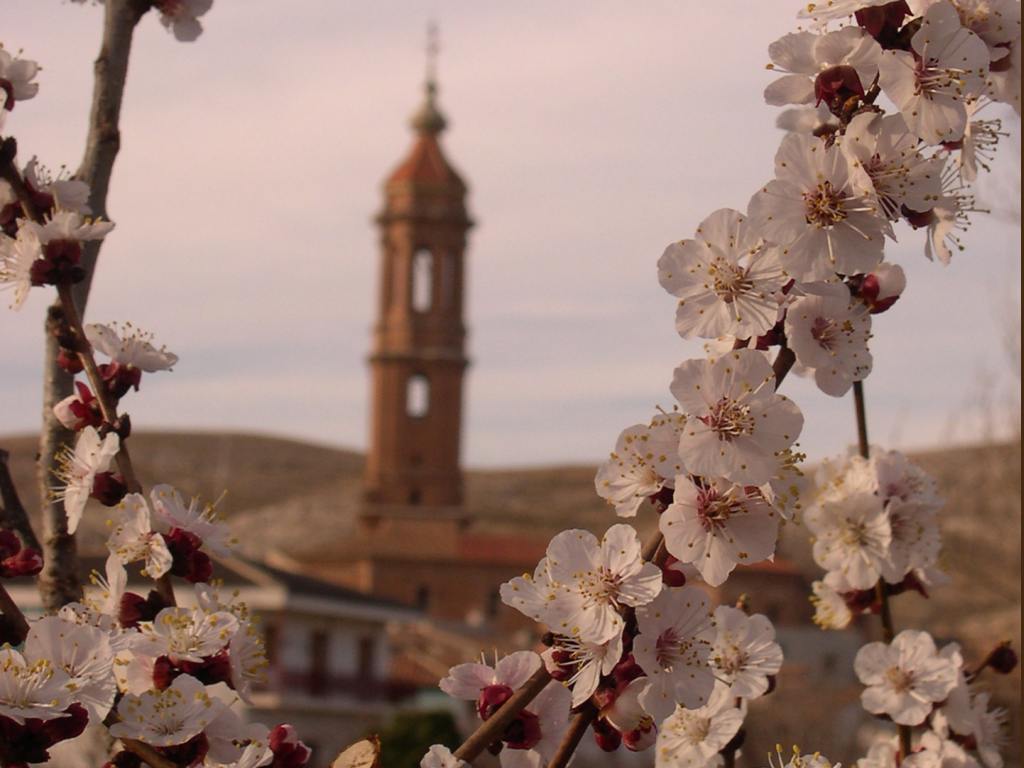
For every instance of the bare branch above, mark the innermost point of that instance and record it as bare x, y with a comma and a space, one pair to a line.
12, 511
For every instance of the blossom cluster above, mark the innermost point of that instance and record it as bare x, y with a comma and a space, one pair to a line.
801, 271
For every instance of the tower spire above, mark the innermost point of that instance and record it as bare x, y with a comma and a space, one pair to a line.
428, 118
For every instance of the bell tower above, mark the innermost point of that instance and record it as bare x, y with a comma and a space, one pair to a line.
418, 360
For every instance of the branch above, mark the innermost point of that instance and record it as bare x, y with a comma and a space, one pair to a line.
571, 738
59, 582
881, 588
491, 730
13, 614
148, 755
12, 511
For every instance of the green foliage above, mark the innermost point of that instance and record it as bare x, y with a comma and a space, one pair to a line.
408, 737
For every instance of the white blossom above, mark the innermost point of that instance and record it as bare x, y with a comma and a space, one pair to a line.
830, 10
169, 717
886, 163
691, 738
594, 579
736, 422
744, 653
16, 258
78, 470
34, 689
19, 74
813, 209
828, 332
69, 225
804, 55
830, 609
133, 538
930, 88
725, 279
83, 653
718, 525
439, 756
851, 536
907, 677
673, 646
938, 751
127, 345
203, 521
185, 634
645, 459
586, 663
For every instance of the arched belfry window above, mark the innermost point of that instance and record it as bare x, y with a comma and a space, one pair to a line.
417, 396
422, 280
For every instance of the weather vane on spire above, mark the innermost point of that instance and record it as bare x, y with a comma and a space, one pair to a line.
428, 119
433, 48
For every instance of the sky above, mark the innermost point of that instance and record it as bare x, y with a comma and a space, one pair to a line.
591, 133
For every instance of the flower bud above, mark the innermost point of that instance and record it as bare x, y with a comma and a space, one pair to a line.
1002, 659
108, 489
79, 411
71, 363
26, 562
883, 22
523, 732
626, 671
672, 577
606, 735
164, 673
491, 698
135, 608
120, 378
882, 287
836, 85
640, 738
59, 264
288, 751
560, 667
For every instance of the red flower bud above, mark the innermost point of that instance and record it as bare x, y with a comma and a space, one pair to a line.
836, 85
27, 562
288, 751
1002, 659
491, 698
606, 735
523, 732
108, 489
883, 22
120, 378
71, 363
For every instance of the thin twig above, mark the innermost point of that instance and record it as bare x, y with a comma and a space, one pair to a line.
148, 755
493, 728
12, 512
881, 588
572, 736
13, 613
108, 407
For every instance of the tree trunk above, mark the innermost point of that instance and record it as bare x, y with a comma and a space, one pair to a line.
59, 581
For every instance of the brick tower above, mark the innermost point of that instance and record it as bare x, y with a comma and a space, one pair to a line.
418, 360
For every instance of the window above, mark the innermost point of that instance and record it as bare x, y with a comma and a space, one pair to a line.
417, 396
318, 663
366, 658
423, 597
422, 280
493, 604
